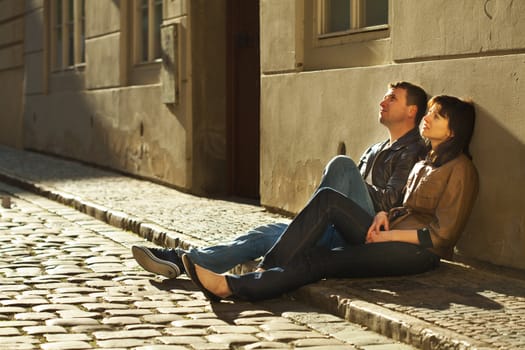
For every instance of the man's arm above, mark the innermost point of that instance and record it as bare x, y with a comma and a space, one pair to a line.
392, 194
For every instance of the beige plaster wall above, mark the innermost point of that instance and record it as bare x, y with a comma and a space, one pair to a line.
279, 37
34, 73
446, 28
11, 126
103, 44
11, 72
125, 129
102, 68
10, 9
102, 17
34, 49
304, 116
175, 8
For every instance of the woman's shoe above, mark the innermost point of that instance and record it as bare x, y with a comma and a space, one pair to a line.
190, 271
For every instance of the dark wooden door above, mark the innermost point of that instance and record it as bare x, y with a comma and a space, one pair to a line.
244, 96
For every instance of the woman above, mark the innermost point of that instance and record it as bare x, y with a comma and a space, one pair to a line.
411, 239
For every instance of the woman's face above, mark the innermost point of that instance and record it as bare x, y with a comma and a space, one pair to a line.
435, 126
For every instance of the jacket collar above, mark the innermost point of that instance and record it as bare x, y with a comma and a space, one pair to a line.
408, 138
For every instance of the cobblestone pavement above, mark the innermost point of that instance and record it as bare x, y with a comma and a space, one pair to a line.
143, 200
68, 281
458, 306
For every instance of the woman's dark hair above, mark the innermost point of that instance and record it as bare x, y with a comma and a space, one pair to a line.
461, 117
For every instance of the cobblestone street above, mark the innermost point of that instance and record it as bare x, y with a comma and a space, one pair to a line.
68, 281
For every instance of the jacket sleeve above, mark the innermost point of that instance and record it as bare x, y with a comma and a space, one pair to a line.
392, 195
454, 206
363, 161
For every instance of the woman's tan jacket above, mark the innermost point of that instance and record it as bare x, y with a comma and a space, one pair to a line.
439, 199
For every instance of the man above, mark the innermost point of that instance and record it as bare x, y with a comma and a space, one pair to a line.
376, 184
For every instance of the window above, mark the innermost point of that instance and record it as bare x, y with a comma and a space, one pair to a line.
67, 33
345, 33
342, 17
147, 18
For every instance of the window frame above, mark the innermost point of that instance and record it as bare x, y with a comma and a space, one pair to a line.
363, 47
357, 14
154, 52
134, 70
68, 26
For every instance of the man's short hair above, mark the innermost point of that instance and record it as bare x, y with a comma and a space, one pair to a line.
415, 96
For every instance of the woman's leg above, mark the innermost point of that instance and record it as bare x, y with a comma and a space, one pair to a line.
326, 207
373, 260
367, 260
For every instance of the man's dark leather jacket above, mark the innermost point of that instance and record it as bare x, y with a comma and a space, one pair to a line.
391, 168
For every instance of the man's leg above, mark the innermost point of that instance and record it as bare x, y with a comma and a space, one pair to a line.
218, 258
250, 246
341, 174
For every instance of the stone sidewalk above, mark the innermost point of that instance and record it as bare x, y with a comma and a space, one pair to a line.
459, 306
68, 281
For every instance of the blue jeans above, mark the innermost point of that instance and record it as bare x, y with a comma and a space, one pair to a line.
341, 174
296, 259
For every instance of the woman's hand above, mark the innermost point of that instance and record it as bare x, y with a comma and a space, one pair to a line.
380, 226
379, 236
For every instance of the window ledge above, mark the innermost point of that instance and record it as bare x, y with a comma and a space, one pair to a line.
350, 37
145, 73
353, 31
70, 69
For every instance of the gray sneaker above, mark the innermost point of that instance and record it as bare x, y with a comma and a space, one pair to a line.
160, 261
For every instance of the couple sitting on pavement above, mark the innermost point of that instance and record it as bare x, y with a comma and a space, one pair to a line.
362, 221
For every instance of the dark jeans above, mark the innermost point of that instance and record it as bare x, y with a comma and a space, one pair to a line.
295, 260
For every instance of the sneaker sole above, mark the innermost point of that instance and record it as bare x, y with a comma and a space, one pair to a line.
151, 263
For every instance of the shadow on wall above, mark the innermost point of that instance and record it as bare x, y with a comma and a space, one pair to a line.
40, 168
496, 231
110, 126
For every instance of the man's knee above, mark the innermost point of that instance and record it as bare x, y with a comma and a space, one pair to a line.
340, 163
326, 194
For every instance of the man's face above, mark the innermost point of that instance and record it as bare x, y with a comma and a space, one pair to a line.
394, 108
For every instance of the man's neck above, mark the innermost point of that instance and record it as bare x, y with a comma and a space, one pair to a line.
397, 133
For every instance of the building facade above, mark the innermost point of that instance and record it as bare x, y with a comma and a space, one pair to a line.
252, 98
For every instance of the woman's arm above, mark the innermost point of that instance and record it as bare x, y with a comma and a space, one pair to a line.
380, 231
408, 236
